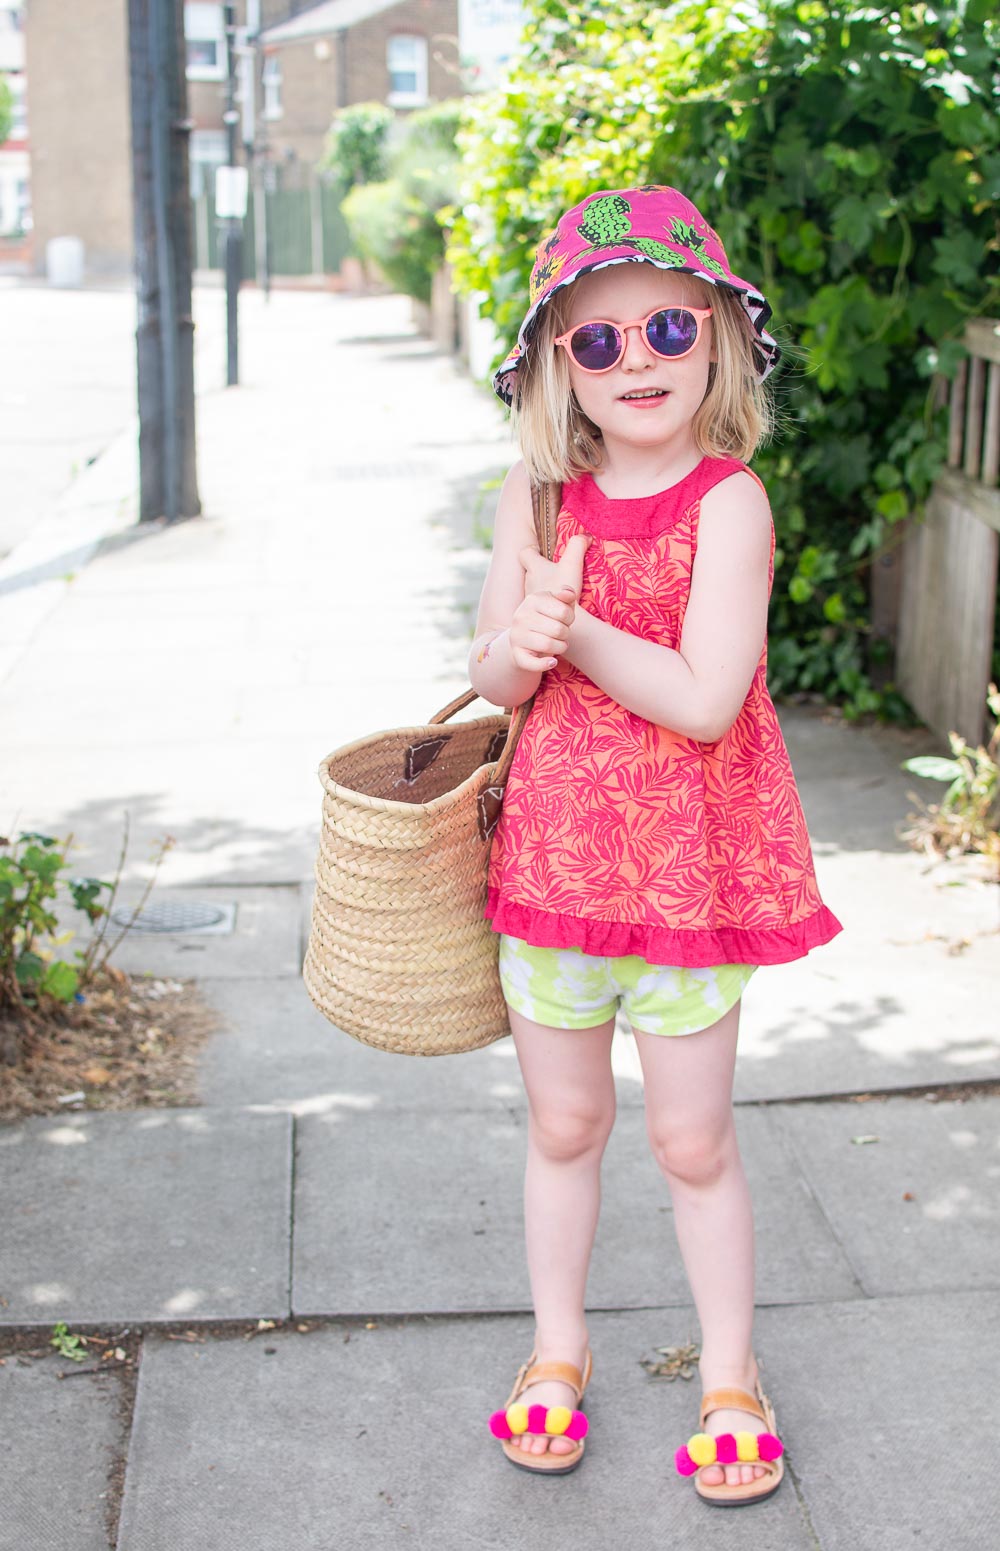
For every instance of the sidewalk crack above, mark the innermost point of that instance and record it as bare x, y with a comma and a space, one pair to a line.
292, 1174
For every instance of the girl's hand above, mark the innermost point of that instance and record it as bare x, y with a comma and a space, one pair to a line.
539, 630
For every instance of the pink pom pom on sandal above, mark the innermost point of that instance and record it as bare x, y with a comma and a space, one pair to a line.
555, 1421
764, 1448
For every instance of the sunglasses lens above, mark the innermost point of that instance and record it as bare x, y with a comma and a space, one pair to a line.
672, 332
596, 346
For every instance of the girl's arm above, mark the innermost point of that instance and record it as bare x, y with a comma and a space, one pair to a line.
493, 672
698, 690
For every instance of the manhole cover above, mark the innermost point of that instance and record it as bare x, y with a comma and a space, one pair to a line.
177, 916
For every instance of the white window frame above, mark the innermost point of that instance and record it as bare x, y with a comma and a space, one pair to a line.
416, 65
206, 23
271, 82
18, 84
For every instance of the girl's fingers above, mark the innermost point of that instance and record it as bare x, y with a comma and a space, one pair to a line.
554, 607
532, 663
542, 643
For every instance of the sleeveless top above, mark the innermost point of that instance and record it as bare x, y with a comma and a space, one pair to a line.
619, 836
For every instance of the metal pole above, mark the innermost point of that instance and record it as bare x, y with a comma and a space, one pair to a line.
234, 226
160, 16
168, 482
149, 345
254, 144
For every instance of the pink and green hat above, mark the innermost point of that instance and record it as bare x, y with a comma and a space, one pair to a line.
650, 225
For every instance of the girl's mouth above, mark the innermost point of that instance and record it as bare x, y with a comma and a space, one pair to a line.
644, 396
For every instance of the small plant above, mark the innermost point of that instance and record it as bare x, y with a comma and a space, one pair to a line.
33, 980
968, 816
355, 149
66, 1344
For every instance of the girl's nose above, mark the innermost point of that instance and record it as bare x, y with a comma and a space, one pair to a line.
635, 356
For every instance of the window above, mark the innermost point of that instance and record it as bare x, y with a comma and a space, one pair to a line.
406, 56
271, 77
205, 32
207, 149
18, 104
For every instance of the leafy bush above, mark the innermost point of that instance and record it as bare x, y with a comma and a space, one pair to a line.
6, 110
390, 229
968, 816
394, 223
32, 979
355, 148
851, 160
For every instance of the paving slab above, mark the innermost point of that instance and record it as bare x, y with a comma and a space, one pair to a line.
60, 1441
853, 789
145, 1215
916, 1209
904, 996
378, 1438
407, 1211
888, 1409
275, 1051
264, 939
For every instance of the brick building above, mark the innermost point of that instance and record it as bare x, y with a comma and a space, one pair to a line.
310, 60
401, 52
14, 181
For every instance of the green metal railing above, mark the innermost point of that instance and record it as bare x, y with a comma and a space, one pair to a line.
306, 233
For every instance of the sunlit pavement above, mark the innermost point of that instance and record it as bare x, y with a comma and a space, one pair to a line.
194, 676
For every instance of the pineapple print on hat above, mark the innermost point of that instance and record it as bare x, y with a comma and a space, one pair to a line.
607, 221
688, 236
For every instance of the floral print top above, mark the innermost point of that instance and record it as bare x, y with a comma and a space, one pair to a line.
619, 836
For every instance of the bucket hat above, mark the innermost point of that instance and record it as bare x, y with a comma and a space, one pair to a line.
650, 225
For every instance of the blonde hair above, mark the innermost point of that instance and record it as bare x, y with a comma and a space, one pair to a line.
559, 442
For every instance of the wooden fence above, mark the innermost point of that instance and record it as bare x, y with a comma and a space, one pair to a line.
948, 602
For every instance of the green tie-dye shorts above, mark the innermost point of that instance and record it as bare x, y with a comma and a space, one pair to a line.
565, 988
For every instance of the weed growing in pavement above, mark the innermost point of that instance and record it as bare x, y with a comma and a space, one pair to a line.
34, 981
968, 816
67, 1345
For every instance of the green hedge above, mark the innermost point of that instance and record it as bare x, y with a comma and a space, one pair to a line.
850, 158
393, 222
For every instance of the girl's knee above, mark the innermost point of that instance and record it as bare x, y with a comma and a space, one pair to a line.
564, 1134
693, 1155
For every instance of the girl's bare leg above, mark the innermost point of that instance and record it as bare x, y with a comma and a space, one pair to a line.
689, 1115
571, 1110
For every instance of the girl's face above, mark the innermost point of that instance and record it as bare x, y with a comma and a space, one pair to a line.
645, 401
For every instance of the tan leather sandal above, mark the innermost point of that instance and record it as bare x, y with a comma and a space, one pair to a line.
556, 1421
764, 1448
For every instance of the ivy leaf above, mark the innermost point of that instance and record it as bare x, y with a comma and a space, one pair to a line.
958, 257
28, 969
853, 222
933, 768
61, 981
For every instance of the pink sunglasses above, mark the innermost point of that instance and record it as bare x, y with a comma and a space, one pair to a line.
670, 332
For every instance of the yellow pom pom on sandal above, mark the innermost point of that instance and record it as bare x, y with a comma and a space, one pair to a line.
764, 1448
555, 1421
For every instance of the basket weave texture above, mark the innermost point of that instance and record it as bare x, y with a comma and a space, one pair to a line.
399, 953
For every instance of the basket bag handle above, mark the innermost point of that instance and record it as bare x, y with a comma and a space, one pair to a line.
545, 502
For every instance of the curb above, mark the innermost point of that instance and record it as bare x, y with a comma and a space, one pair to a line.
34, 577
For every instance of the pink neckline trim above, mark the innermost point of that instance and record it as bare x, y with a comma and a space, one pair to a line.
644, 515
662, 944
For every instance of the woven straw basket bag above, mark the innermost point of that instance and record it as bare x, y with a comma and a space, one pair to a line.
399, 954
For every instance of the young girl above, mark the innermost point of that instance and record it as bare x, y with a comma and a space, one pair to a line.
652, 848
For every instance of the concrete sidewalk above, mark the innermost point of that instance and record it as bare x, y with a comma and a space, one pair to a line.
195, 676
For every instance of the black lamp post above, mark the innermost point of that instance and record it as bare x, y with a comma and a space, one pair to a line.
233, 220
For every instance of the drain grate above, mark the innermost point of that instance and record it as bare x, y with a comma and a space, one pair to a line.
177, 916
